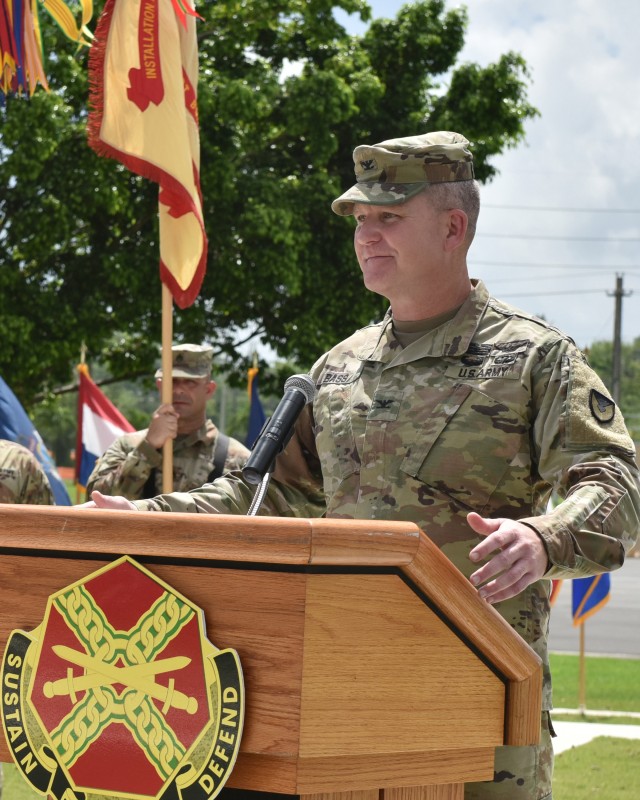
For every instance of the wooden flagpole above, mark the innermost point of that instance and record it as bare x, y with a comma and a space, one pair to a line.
582, 680
167, 383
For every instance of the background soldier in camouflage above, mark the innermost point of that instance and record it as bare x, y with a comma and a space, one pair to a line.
459, 413
22, 480
132, 466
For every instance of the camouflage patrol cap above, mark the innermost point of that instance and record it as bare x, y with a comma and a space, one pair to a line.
190, 361
393, 171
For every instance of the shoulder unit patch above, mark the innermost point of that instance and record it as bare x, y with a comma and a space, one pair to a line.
602, 407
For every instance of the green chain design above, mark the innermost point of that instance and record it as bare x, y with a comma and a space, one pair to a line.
102, 706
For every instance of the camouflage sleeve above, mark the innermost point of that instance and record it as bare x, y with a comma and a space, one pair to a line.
124, 468
294, 491
37, 489
22, 478
584, 451
237, 454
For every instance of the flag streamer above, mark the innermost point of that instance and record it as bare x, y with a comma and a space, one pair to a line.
21, 52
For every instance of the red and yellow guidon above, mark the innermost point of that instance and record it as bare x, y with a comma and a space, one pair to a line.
118, 693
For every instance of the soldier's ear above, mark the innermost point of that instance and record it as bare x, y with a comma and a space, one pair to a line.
457, 228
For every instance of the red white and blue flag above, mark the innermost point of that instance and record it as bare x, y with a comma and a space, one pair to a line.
99, 425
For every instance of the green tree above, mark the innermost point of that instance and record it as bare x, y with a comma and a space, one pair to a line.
284, 96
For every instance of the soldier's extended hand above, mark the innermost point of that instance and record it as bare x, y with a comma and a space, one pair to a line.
116, 503
163, 425
516, 553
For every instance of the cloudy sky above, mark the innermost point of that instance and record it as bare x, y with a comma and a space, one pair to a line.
562, 220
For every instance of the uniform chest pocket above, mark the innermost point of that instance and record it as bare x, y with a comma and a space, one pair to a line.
466, 446
335, 438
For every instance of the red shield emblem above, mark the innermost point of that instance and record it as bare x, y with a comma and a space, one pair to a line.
124, 686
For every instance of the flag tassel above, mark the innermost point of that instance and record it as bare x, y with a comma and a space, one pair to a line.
96, 80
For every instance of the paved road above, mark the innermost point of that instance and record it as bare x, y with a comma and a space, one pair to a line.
614, 630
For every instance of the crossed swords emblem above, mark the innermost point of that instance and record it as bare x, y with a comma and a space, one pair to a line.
111, 658
140, 677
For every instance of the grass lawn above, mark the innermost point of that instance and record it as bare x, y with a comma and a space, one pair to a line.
606, 769
612, 684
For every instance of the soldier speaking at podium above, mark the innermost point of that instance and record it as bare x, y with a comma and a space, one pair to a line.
457, 412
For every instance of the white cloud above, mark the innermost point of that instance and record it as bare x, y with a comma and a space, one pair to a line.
582, 153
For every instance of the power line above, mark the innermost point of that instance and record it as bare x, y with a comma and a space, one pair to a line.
553, 266
562, 276
549, 294
560, 238
576, 210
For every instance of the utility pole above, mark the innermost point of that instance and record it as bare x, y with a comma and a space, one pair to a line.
616, 370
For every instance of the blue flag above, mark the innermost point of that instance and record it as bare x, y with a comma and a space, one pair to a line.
257, 417
15, 426
589, 595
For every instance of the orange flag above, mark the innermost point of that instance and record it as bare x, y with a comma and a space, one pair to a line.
143, 69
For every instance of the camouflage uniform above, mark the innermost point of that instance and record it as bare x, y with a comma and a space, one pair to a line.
488, 413
22, 480
125, 467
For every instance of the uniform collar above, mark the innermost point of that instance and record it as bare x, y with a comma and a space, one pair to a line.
450, 339
204, 433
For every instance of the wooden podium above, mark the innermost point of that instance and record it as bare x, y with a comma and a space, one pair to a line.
369, 661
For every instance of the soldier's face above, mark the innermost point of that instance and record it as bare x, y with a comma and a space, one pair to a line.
399, 247
190, 395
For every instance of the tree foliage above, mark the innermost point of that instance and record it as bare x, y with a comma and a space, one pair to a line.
284, 96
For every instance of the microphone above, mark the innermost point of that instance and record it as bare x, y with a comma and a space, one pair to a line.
278, 429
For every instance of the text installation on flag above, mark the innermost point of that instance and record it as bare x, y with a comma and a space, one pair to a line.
99, 425
143, 69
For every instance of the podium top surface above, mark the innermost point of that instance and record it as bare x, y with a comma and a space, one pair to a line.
209, 537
